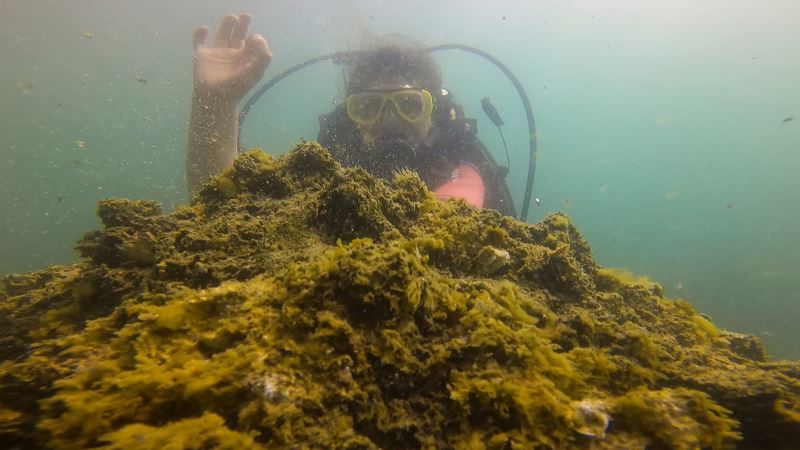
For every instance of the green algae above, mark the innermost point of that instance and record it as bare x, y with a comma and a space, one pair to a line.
299, 304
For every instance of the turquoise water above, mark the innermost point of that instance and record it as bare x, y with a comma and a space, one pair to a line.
661, 124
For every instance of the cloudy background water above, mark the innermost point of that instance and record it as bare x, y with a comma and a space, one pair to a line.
665, 127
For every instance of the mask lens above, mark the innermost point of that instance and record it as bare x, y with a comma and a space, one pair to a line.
410, 103
413, 105
364, 107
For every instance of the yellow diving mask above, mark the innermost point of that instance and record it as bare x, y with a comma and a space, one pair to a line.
412, 105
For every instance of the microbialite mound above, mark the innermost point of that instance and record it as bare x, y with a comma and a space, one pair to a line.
299, 304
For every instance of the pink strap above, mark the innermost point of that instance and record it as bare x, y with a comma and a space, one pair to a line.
465, 183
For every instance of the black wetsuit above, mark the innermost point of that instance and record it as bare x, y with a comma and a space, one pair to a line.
453, 141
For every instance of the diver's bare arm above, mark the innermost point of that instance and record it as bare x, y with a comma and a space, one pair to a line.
224, 72
212, 139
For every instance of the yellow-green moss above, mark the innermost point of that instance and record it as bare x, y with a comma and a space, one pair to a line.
788, 410
560, 221
676, 418
297, 303
623, 277
207, 431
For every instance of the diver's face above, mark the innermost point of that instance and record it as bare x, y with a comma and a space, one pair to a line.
390, 125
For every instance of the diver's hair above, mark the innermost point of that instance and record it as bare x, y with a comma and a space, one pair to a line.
396, 55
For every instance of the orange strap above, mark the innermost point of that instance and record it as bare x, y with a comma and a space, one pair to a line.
465, 183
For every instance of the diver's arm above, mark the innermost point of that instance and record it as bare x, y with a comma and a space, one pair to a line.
212, 139
224, 72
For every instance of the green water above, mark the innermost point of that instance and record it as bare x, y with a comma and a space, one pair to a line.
661, 124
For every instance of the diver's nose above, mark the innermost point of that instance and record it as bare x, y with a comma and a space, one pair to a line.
389, 114
388, 110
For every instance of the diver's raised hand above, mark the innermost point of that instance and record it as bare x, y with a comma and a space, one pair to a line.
226, 70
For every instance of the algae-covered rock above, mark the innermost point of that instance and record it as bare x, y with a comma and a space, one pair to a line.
299, 304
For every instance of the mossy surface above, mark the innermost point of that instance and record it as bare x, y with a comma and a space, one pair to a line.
298, 304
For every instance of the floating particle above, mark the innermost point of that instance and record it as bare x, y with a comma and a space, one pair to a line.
26, 86
671, 195
88, 35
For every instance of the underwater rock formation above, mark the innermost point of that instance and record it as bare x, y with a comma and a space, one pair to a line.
299, 304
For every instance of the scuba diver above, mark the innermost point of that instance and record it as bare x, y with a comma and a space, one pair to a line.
396, 115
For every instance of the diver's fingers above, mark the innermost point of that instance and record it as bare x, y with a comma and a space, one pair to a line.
240, 31
199, 37
256, 45
223, 37
257, 48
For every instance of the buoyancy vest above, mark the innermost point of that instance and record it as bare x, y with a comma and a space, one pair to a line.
453, 141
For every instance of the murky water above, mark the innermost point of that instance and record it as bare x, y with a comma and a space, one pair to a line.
666, 129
